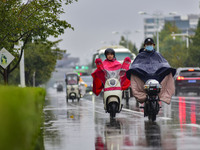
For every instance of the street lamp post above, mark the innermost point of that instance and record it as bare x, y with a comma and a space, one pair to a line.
157, 34
22, 71
21, 65
182, 35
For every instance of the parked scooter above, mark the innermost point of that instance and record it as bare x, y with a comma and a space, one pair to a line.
151, 105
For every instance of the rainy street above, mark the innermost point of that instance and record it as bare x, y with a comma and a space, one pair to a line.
84, 125
100, 75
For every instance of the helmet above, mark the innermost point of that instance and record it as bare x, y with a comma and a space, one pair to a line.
149, 40
109, 51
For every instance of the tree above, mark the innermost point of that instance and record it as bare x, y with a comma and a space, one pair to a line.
31, 21
40, 59
174, 51
194, 50
132, 47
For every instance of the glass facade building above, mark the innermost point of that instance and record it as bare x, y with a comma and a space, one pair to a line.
184, 23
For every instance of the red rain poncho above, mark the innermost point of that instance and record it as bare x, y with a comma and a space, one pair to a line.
99, 74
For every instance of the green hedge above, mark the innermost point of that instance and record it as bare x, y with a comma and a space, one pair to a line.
21, 118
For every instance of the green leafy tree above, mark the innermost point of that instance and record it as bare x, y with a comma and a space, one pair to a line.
194, 49
132, 47
40, 59
174, 50
123, 41
31, 21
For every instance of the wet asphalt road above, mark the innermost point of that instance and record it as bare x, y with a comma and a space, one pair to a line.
85, 125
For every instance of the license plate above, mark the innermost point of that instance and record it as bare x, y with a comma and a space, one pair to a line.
192, 81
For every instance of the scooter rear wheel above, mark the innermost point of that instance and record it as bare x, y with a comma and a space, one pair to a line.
152, 118
127, 97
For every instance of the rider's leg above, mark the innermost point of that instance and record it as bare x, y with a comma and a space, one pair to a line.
137, 86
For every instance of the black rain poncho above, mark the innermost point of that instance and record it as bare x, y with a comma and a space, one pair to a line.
150, 65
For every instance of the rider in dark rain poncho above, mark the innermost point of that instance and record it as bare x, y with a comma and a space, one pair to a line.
150, 64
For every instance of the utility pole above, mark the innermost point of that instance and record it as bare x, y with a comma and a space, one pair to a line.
22, 73
34, 79
157, 35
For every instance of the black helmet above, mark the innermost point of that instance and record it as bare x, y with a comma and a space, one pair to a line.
149, 41
109, 51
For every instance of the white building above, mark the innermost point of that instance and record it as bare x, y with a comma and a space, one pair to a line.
184, 23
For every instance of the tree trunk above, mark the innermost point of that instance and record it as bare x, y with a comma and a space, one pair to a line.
5, 76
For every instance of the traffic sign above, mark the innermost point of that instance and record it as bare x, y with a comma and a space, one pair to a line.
5, 58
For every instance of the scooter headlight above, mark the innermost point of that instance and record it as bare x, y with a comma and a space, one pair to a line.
112, 82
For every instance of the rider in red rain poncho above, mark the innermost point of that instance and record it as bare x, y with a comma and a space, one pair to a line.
110, 64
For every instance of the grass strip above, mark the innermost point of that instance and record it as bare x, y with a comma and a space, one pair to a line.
21, 117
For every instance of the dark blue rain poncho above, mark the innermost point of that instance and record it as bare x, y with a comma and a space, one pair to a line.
150, 65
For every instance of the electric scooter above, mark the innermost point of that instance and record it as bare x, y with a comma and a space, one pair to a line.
151, 105
113, 82
112, 95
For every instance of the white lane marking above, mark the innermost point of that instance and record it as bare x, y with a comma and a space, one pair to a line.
45, 109
186, 98
133, 111
165, 118
90, 109
192, 125
123, 109
140, 114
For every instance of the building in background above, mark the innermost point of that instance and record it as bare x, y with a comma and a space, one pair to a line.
67, 61
151, 25
186, 24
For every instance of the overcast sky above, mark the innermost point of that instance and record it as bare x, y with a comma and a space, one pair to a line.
95, 20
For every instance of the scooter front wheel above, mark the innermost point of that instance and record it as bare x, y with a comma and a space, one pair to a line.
112, 114
67, 98
113, 107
